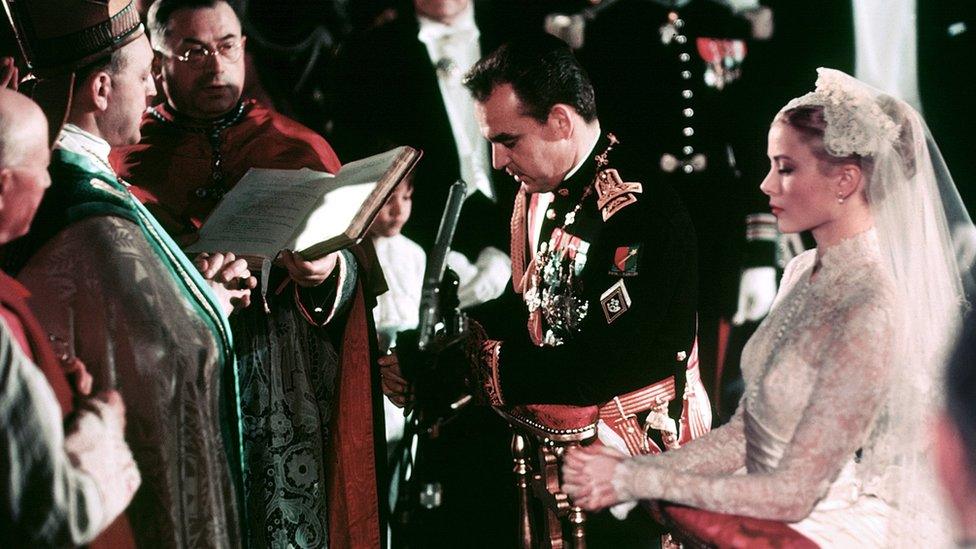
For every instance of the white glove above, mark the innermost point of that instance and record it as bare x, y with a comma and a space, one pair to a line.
489, 276
757, 290
740, 5
95, 444
460, 265
761, 19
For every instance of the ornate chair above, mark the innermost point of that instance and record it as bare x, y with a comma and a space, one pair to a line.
541, 433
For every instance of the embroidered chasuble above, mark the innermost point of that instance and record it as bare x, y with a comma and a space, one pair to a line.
294, 354
105, 279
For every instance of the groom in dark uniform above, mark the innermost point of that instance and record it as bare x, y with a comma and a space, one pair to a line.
603, 255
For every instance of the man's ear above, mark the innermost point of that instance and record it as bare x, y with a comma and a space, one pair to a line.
157, 66
561, 121
100, 86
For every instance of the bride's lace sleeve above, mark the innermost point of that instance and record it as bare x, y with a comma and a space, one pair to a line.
847, 393
722, 450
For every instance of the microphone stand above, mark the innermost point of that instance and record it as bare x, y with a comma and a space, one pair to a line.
441, 325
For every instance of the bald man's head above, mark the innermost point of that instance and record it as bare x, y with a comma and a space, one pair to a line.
20, 120
24, 156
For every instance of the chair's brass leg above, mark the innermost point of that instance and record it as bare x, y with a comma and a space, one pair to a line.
522, 473
577, 524
555, 502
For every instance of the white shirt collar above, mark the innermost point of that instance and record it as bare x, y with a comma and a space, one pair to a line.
79, 141
431, 30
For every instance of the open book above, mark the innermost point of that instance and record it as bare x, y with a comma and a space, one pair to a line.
314, 213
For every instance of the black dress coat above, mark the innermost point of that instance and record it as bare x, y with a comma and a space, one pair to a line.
653, 93
387, 94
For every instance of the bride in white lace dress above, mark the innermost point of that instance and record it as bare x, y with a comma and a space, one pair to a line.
829, 434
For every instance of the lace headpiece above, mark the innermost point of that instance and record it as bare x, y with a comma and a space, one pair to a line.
856, 124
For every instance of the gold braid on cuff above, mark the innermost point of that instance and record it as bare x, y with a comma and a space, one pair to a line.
490, 351
483, 354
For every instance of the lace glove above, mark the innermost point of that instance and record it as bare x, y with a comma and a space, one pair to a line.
635, 479
95, 444
483, 281
757, 290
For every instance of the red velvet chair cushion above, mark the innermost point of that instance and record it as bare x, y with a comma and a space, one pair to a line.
698, 528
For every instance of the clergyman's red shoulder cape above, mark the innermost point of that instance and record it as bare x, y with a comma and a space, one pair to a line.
173, 160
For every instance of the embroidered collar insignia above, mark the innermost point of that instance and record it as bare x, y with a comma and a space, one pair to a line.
613, 194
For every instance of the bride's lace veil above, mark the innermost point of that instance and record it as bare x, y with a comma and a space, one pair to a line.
916, 210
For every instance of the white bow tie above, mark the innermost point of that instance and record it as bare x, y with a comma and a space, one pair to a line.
433, 32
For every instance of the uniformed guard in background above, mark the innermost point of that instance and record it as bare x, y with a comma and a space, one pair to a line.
666, 74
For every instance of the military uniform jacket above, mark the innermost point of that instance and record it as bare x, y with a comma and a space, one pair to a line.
612, 297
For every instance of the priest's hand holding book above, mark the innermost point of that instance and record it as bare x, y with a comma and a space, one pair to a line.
308, 274
300, 218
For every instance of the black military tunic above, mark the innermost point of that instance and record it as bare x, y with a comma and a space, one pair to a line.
614, 291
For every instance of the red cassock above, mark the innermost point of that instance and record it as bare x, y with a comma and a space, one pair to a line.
173, 164
175, 172
34, 343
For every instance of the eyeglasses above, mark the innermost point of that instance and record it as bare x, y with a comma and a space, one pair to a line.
197, 56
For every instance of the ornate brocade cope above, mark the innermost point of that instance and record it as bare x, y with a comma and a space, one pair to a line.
289, 367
